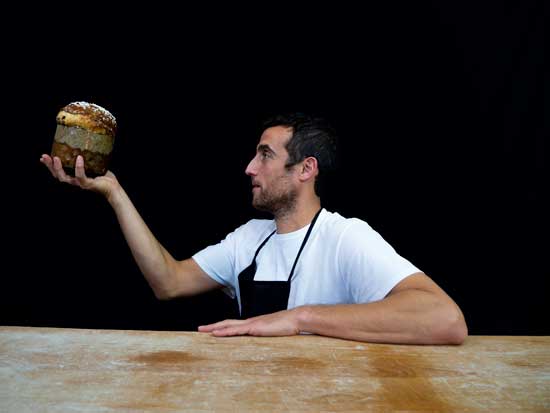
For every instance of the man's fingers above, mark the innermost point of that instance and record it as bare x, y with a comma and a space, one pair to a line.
59, 172
62, 176
211, 327
80, 173
219, 325
46, 160
239, 330
79, 167
227, 328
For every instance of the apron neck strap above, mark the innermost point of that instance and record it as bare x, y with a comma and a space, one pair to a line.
262, 244
304, 243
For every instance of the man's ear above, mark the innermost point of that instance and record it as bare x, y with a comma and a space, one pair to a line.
310, 168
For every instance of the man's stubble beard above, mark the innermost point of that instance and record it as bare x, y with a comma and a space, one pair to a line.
278, 204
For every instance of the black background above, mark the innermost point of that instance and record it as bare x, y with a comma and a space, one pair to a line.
439, 109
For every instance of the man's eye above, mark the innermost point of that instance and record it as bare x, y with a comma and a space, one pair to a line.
265, 155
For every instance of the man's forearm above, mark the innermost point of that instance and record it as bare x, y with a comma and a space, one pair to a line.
154, 261
412, 317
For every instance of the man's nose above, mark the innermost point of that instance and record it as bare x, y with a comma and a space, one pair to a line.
251, 168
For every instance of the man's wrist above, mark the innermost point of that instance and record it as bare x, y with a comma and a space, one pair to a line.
303, 318
115, 196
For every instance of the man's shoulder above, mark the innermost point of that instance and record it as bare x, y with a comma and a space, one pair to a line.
258, 224
337, 225
254, 228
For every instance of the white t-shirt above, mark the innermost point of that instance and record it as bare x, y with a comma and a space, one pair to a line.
343, 262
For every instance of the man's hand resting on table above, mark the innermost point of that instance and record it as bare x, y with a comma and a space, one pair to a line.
281, 323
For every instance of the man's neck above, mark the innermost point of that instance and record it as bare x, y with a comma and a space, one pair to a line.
299, 217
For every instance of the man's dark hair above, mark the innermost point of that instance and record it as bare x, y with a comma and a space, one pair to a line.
311, 136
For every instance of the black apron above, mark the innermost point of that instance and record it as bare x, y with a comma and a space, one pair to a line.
266, 297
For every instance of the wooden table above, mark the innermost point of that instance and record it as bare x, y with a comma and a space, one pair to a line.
73, 370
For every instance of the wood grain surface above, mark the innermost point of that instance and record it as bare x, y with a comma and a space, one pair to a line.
73, 370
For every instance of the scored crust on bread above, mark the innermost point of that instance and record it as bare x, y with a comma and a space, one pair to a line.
88, 116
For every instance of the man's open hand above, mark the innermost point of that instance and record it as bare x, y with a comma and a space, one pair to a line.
105, 185
281, 323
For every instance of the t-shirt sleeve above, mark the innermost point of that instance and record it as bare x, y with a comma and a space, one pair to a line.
370, 266
218, 261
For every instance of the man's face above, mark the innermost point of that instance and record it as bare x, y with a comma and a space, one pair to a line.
273, 186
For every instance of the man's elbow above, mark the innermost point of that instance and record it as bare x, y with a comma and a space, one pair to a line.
169, 292
453, 329
163, 293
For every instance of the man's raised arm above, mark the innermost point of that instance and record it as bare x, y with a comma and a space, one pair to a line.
167, 276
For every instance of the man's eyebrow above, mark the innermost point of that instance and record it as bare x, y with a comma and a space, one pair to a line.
264, 147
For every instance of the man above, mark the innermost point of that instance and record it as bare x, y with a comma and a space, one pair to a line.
306, 271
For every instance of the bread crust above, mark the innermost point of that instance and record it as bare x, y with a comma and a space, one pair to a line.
88, 116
